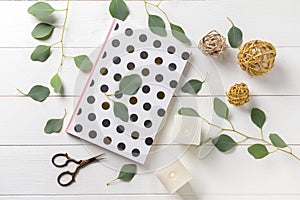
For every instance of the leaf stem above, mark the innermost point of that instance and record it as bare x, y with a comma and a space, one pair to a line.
206, 77
110, 182
65, 114
230, 21
157, 6
63, 36
55, 43
60, 10
22, 92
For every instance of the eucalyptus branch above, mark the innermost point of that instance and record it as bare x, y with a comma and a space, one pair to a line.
224, 142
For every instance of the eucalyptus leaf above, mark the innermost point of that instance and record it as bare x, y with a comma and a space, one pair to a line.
192, 86
179, 34
235, 36
277, 141
41, 53
42, 31
84, 63
188, 112
258, 117
121, 111
126, 173
157, 25
56, 83
54, 125
41, 10
258, 151
221, 108
118, 9
224, 143
38, 93
130, 84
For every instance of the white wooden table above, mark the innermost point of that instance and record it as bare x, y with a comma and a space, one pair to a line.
25, 151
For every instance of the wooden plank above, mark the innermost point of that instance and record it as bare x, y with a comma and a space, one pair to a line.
89, 28
158, 197
23, 73
23, 119
28, 170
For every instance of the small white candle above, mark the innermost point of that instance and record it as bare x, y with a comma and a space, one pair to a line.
187, 130
174, 176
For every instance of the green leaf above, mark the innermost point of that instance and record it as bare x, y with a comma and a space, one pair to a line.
179, 34
54, 125
126, 173
157, 25
121, 111
42, 31
37, 93
224, 143
221, 108
188, 112
56, 83
41, 10
41, 53
130, 84
192, 86
258, 117
235, 36
258, 151
84, 63
277, 141
118, 9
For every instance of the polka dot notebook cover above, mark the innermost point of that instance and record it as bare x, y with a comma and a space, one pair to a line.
126, 51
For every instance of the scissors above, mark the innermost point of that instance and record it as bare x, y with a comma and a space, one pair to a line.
81, 164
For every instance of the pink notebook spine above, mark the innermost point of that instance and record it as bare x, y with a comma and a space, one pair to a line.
90, 77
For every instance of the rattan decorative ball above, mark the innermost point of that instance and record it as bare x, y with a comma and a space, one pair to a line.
257, 57
238, 94
213, 44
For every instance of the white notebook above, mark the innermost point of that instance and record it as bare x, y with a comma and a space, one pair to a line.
158, 61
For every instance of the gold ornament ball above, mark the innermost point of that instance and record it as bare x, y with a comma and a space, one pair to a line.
238, 94
213, 44
257, 57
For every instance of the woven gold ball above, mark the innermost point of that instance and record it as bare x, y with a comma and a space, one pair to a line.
238, 94
257, 57
212, 44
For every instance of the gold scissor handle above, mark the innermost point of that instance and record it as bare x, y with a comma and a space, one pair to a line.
67, 173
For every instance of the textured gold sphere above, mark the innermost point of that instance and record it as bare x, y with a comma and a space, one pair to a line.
238, 94
213, 44
257, 57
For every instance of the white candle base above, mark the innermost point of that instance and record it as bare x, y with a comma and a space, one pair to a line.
174, 176
187, 130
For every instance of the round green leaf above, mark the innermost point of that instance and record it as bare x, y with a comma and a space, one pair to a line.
188, 112
84, 63
235, 37
39, 93
42, 31
118, 9
130, 84
56, 83
121, 111
258, 117
41, 10
192, 86
179, 34
224, 143
258, 151
221, 108
41, 53
53, 126
127, 172
157, 25
277, 141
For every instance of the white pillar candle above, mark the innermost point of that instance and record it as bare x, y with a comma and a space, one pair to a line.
174, 176
187, 130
